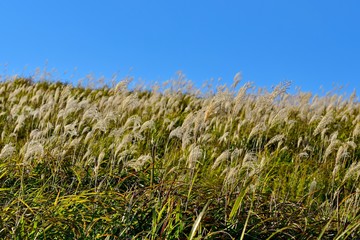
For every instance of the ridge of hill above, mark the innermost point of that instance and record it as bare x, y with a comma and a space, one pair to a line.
110, 163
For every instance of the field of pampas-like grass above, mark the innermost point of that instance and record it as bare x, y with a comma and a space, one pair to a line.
237, 163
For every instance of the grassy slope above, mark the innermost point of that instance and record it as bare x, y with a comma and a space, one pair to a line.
115, 164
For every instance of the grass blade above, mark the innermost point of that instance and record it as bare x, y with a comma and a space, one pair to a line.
198, 220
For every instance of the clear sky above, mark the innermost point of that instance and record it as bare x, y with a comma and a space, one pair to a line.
312, 43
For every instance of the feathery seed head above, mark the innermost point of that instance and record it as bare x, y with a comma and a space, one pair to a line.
330, 148
300, 140
231, 176
194, 156
237, 153
138, 163
150, 124
186, 140
100, 158
341, 154
177, 132
133, 122
237, 79
7, 151
102, 125
356, 131
333, 136
313, 187
323, 134
258, 129
20, 121
70, 129
325, 121
353, 170
276, 138
250, 157
303, 155
352, 144
223, 157
35, 134
224, 137
33, 148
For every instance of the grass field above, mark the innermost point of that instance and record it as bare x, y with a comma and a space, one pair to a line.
114, 163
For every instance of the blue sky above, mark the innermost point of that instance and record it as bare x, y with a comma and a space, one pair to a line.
311, 43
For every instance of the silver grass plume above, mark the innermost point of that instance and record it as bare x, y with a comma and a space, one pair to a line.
342, 153
224, 156
75, 142
353, 170
279, 117
122, 86
312, 187
7, 151
323, 134
70, 129
231, 176
150, 124
33, 148
259, 128
20, 121
88, 136
275, 139
325, 121
128, 138
333, 144
199, 123
171, 124
102, 125
250, 164
177, 132
236, 154
237, 79
356, 131
303, 155
351, 144
356, 120
133, 122
224, 137
138, 163
35, 134
117, 132
194, 156
130, 103
92, 113
186, 140
188, 121
205, 138
300, 140
99, 160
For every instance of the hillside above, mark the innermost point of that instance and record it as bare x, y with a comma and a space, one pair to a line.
114, 163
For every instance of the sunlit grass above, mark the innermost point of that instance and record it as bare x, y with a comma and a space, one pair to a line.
114, 163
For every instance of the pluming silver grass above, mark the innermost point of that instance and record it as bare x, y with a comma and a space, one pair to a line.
224, 156
7, 151
138, 163
194, 156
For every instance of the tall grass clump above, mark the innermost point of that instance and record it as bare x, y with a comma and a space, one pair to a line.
115, 163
